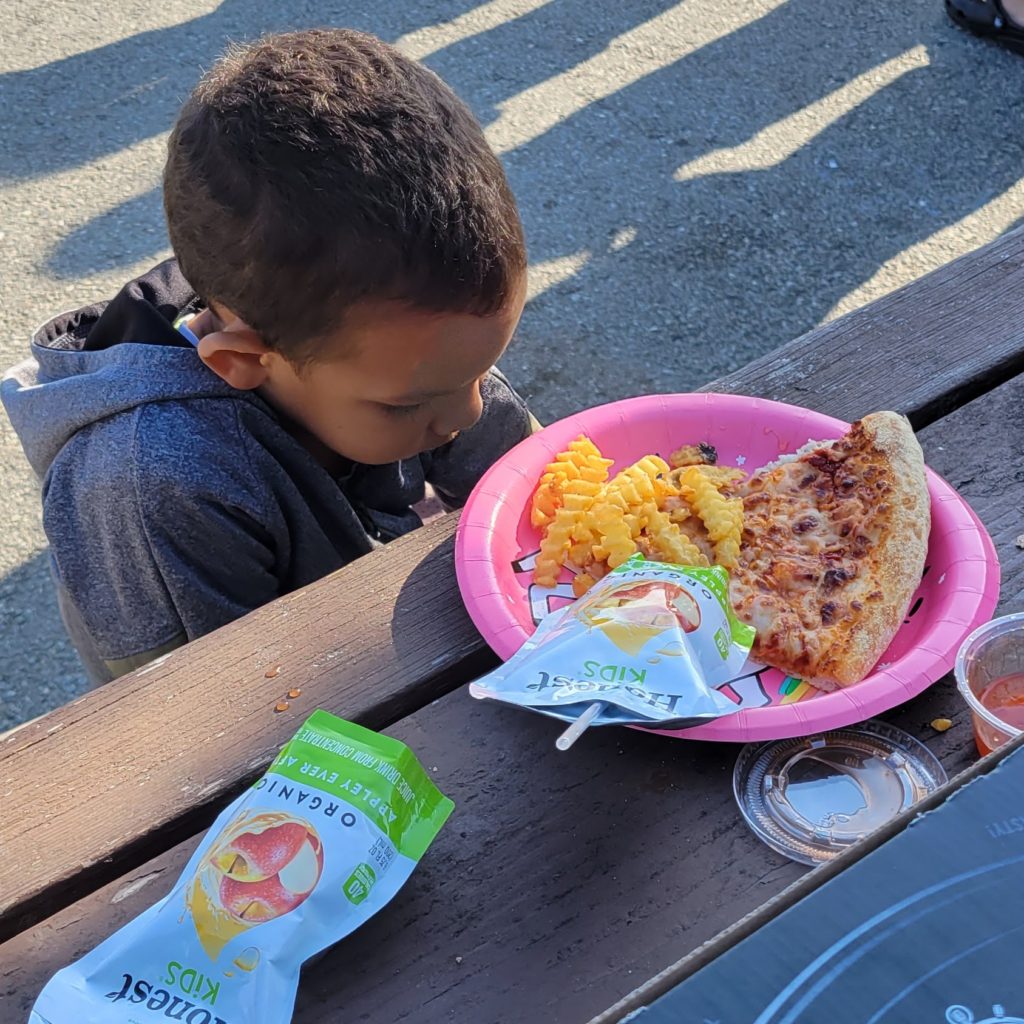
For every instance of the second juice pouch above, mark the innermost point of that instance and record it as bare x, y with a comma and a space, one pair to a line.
651, 641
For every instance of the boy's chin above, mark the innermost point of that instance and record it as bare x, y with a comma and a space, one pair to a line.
382, 458
399, 455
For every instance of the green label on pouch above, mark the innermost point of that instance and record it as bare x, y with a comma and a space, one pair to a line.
376, 774
358, 885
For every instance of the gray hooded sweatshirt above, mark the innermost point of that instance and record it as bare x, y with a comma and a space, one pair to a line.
174, 503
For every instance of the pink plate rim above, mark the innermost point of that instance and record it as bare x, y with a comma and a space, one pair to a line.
490, 607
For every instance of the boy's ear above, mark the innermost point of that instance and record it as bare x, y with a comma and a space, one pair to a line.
237, 354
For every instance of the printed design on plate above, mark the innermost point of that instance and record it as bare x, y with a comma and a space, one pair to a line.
958, 1014
792, 690
761, 686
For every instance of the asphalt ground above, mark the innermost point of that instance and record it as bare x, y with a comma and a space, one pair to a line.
700, 182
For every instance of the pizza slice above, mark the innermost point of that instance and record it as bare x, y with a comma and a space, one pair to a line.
834, 543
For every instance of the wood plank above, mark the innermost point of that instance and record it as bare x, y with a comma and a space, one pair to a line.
561, 881
958, 332
133, 767
389, 634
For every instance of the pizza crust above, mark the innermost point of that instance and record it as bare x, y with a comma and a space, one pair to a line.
898, 562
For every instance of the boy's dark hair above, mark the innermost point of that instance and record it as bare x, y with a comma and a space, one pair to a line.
311, 170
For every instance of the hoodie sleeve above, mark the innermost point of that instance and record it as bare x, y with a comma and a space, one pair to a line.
146, 552
505, 421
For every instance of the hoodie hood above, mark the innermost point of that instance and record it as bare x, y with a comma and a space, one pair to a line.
101, 360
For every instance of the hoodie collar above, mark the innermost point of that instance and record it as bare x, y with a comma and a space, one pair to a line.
144, 311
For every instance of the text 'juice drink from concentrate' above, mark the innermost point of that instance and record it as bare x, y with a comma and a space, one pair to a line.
315, 847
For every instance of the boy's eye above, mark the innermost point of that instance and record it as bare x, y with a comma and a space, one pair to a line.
402, 410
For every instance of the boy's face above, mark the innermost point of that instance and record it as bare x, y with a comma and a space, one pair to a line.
406, 380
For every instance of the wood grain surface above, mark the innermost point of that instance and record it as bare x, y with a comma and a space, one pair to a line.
109, 780
563, 881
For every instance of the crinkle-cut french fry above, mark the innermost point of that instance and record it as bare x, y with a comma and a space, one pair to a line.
727, 552
641, 482
578, 496
545, 504
669, 543
580, 553
581, 460
617, 543
635, 524
582, 583
612, 509
582, 535
553, 550
722, 516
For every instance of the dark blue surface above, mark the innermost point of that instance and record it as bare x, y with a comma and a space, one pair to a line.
928, 928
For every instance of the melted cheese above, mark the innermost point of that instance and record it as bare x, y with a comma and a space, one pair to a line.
810, 528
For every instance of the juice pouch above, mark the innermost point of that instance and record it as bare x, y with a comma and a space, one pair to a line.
650, 641
315, 847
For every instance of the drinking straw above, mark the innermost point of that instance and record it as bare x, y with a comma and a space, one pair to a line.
577, 728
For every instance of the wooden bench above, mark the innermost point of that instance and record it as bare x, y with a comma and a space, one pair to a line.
560, 881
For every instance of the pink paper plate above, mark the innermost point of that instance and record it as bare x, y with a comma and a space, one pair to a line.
495, 545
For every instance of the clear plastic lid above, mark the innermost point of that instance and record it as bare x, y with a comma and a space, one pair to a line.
811, 797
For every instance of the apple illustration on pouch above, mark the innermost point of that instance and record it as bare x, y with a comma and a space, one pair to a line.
270, 895
264, 866
253, 856
632, 614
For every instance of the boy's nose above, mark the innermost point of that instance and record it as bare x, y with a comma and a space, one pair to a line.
460, 415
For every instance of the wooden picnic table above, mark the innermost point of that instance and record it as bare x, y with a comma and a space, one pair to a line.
561, 881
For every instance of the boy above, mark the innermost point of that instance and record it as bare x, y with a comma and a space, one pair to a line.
268, 405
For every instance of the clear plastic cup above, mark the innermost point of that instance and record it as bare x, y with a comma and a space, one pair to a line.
991, 653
